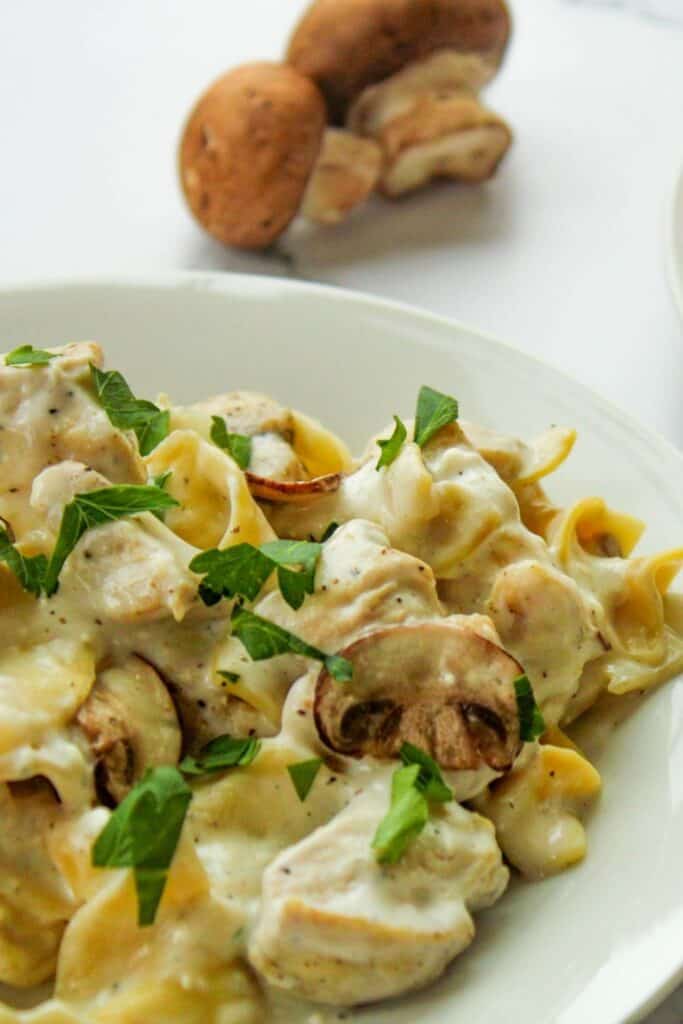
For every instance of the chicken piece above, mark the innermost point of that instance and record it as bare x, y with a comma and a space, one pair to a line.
49, 414
361, 583
437, 503
469, 588
337, 927
131, 724
550, 627
131, 570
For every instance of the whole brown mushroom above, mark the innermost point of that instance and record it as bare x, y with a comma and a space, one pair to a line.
249, 152
347, 45
407, 73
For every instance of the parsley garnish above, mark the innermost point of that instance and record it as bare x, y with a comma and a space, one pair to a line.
263, 639
392, 446
303, 775
143, 833
434, 411
221, 753
285, 553
27, 355
413, 788
531, 722
242, 570
29, 570
238, 571
236, 445
407, 816
161, 479
430, 780
127, 412
230, 677
95, 508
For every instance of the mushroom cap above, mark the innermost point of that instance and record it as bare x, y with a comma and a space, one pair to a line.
247, 151
131, 724
346, 45
439, 685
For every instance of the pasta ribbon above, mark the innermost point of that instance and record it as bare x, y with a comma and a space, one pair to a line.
41, 688
537, 808
217, 509
597, 529
318, 448
520, 463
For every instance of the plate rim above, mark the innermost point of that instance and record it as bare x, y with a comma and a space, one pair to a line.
223, 281
227, 282
674, 250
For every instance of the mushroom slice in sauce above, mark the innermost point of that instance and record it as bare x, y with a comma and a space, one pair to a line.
292, 490
131, 724
439, 685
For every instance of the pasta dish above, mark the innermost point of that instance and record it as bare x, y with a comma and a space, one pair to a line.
277, 722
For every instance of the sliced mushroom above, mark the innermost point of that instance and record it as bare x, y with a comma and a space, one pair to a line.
292, 490
131, 724
439, 685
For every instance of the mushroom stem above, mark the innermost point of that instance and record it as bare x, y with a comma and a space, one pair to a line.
346, 173
430, 124
455, 138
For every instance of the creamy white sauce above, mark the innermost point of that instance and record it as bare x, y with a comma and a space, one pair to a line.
260, 881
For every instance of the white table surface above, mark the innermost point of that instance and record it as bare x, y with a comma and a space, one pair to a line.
563, 254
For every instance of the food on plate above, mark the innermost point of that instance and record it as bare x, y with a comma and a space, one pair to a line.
374, 95
278, 720
255, 152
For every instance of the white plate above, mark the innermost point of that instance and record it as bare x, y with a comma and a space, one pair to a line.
675, 242
600, 944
